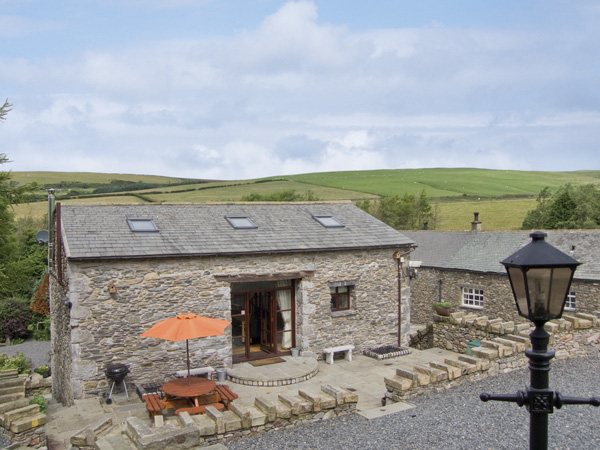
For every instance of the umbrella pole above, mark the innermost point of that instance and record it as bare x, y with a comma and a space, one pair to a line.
187, 348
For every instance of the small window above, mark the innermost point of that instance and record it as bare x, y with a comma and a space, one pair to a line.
240, 222
472, 298
142, 225
571, 303
340, 298
328, 221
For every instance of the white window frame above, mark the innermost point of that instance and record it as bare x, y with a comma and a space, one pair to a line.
472, 297
571, 303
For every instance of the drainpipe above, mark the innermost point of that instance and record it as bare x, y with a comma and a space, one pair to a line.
51, 200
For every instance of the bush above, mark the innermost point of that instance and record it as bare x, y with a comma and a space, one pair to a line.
15, 315
39, 399
19, 362
40, 328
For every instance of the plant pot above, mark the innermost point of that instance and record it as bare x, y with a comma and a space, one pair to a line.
295, 352
444, 311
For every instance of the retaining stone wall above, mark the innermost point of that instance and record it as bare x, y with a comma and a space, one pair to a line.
105, 327
498, 298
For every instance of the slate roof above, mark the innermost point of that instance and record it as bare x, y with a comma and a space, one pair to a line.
483, 251
102, 232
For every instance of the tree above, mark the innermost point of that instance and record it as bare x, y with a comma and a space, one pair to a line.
403, 213
570, 207
22, 260
4, 109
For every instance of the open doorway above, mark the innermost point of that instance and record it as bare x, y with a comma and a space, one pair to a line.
262, 319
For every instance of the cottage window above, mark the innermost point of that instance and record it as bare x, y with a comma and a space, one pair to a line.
328, 221
340, 298
142, 225
571, 304
240, 222
472, 297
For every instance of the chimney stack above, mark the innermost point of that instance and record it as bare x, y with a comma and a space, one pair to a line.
476, 224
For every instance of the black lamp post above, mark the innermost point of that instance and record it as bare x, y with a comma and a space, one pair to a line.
540, 276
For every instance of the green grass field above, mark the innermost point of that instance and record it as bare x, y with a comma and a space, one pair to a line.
502, 197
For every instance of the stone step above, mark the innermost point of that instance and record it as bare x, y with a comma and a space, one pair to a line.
249, 415
514, 346
146, 438
205, 425
283, 410
29, 422
434, 375
137, 429
268, 407
11, 390
484, 353
17, 414
501, 349
452, 372
340, 395
232, 421
114, 442
465, 367
578, 322
89, 434
507, 327
402, 372
6, 398
9, 373
480, 364
320, 400
398, 383
297, 404
12, 382
591, 317
15, 404
522, 342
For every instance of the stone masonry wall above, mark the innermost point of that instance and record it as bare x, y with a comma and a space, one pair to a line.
105, 327
498, 298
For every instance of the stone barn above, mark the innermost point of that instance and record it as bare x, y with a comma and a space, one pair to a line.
303, 275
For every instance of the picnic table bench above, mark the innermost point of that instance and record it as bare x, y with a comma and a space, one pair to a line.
226, 394
154, 404
199, 409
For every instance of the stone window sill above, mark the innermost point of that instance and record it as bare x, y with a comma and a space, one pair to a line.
346, 313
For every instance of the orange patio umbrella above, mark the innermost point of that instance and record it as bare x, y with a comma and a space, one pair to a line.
186, 326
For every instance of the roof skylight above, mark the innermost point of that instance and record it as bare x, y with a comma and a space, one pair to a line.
145, 225
328, 221
240, 222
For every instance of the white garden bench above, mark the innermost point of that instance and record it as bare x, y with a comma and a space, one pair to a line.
199, 372
329, 352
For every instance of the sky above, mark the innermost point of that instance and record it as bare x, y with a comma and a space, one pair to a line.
241, 89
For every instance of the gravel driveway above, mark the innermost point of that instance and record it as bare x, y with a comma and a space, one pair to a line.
37, 351
457, 419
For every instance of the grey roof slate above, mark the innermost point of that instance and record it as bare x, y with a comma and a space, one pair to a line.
101, 231
483, 251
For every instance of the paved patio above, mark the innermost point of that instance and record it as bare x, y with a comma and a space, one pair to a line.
363, 375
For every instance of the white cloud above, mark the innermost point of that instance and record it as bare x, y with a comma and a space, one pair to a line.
292, 94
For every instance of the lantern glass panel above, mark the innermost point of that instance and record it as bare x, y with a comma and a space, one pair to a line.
561, 280
539, 287
517, 281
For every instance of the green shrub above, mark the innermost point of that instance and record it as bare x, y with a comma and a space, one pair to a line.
42, 370
19, 362
15, 315
39, 399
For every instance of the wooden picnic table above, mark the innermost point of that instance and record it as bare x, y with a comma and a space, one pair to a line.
198, 390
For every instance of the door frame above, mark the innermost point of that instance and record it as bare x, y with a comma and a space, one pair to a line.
271, 347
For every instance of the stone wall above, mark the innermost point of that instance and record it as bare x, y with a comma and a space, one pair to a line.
498, 298
60, 337
105, 327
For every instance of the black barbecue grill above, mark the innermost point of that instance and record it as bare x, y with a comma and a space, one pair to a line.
116, 373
